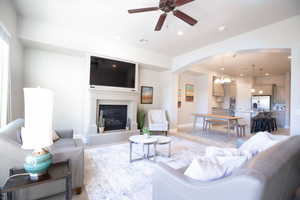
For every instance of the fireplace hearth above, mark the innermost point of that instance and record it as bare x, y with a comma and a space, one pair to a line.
115, 116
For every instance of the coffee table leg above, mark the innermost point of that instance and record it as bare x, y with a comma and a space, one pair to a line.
148, 150
154, 151
130, 152
169, 149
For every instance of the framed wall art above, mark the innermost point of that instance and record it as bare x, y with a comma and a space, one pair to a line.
189, 93
146, 95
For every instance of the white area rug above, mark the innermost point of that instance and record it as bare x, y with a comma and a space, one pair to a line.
110, 176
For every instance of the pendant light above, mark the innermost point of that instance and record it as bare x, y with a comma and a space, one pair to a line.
261, 73
253, 75
222, 79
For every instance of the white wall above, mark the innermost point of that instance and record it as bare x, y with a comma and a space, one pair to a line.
243, 98
153, 79
268, 37
61, 37
203, 100
66, 74
8, 18
187, 108
169, 93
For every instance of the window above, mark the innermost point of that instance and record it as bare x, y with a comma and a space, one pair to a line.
4, 76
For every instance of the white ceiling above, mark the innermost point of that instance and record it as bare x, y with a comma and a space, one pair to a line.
109, 19
272, 62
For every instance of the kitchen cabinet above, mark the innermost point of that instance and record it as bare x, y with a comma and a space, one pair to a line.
218, 90
280, 118
267, 90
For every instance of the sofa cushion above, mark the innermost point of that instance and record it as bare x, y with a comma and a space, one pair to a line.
205, 169
217, 151
63, 144
214, 167
258, 143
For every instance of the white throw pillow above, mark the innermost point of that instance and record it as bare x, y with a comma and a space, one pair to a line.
205, 169
213, 168
217, 151
258, 143
55, 137
231, 163
276, 137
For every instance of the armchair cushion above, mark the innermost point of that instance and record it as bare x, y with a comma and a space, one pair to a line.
158, 127
157, 116
157, 120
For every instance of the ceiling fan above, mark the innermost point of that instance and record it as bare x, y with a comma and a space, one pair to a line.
167, 6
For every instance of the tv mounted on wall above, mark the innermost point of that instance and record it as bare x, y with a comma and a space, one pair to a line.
112, 73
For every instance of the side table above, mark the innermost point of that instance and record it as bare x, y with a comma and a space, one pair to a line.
57, 171
164, 140
141, 139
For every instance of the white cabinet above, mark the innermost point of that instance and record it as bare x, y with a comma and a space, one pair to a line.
266, 90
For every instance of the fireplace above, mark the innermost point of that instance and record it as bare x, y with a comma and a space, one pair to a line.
115, 116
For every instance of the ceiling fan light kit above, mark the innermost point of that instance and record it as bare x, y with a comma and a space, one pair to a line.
168, 6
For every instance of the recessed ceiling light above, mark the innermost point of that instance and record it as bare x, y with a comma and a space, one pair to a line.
222, 69
114, 66
222, 28
179, 33
267, 74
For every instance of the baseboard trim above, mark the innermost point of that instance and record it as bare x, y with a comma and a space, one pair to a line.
189, 125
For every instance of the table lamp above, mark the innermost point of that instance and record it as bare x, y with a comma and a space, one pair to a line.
38, 130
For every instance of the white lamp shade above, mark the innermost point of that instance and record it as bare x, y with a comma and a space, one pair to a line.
38, 129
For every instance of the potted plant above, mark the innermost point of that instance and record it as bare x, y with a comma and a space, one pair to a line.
146, 132
128, 124
101, 122
141, 120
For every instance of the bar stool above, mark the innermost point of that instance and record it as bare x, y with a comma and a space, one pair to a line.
241, 130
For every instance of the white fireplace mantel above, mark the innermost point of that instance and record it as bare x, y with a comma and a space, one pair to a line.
96, 97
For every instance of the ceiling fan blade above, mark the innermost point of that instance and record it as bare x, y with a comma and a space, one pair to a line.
191, 21
182, 2
160, 22
143, 10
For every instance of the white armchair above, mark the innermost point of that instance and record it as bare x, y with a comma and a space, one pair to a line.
157, 121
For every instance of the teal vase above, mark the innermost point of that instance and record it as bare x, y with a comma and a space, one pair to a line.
37, 165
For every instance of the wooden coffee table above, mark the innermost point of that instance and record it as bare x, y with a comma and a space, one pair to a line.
141, 139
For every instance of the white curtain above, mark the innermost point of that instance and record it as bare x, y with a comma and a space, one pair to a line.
5, 90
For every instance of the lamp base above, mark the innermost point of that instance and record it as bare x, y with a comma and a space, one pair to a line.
38, 176
38, 163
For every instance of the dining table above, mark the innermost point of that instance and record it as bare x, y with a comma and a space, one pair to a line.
227, 118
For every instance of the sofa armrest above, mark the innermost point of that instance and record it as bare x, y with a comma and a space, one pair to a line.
169, 183
66, 133
79, 142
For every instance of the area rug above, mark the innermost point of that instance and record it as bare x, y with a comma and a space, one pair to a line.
110, 176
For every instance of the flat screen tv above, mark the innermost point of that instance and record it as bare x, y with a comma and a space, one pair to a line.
113, 73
